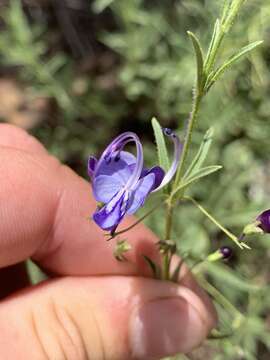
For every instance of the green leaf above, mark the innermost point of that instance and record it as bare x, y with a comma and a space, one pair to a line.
227, 276
201, 154
175, 275
153, 266
226, 9
212, 46
219, 72
199, 58
161, 145
101, 5
200, 173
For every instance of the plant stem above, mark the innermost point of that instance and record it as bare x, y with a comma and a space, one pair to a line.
169, 218
190, 126
166, 261
166, 257
210, 217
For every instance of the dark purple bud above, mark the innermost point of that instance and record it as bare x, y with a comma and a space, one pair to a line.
264, 221
167, 131
226, 252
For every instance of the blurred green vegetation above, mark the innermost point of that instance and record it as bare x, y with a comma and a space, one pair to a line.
138, 63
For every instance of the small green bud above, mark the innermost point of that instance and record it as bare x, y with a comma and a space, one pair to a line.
121, 247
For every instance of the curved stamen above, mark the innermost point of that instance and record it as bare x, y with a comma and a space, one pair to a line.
177, 153
117, 145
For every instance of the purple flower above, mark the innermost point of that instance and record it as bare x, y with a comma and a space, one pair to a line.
121, 183
264, 221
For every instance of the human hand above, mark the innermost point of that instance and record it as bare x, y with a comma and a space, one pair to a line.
92, 307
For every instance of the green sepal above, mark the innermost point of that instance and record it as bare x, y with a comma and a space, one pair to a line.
252, 228
217, 255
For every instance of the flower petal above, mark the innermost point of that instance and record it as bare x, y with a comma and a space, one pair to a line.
177, 153
110, 215
128, 157
159, 175
264, 219
141, 192
122, 161
112, 155
92, 162
106, 187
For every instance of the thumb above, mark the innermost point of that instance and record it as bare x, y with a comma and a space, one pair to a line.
102, 318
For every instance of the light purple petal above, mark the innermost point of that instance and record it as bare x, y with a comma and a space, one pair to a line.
141, 192
110, 215
92, 162
123, 160
127, 157
105, 187
111, 153
177, 153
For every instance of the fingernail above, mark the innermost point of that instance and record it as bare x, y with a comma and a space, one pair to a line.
165, 327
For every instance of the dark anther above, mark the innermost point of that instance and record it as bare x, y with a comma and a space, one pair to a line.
107, 158
117, 157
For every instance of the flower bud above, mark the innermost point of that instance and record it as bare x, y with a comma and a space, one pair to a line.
223, 253
121, 247
260, 225
264, 221
226, 252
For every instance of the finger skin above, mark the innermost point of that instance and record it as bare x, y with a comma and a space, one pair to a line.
102, 318
13, 137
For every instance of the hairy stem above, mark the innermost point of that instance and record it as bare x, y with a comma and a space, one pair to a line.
166, 257
190, 127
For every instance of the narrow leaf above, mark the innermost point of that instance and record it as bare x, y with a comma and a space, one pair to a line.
216, 222
226, 9
153, 266
161, 145
225, 275
176, 272
201, 154
199, 57
219, 72
212, 46
200, 173
101, 5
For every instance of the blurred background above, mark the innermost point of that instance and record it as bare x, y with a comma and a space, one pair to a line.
75, 73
